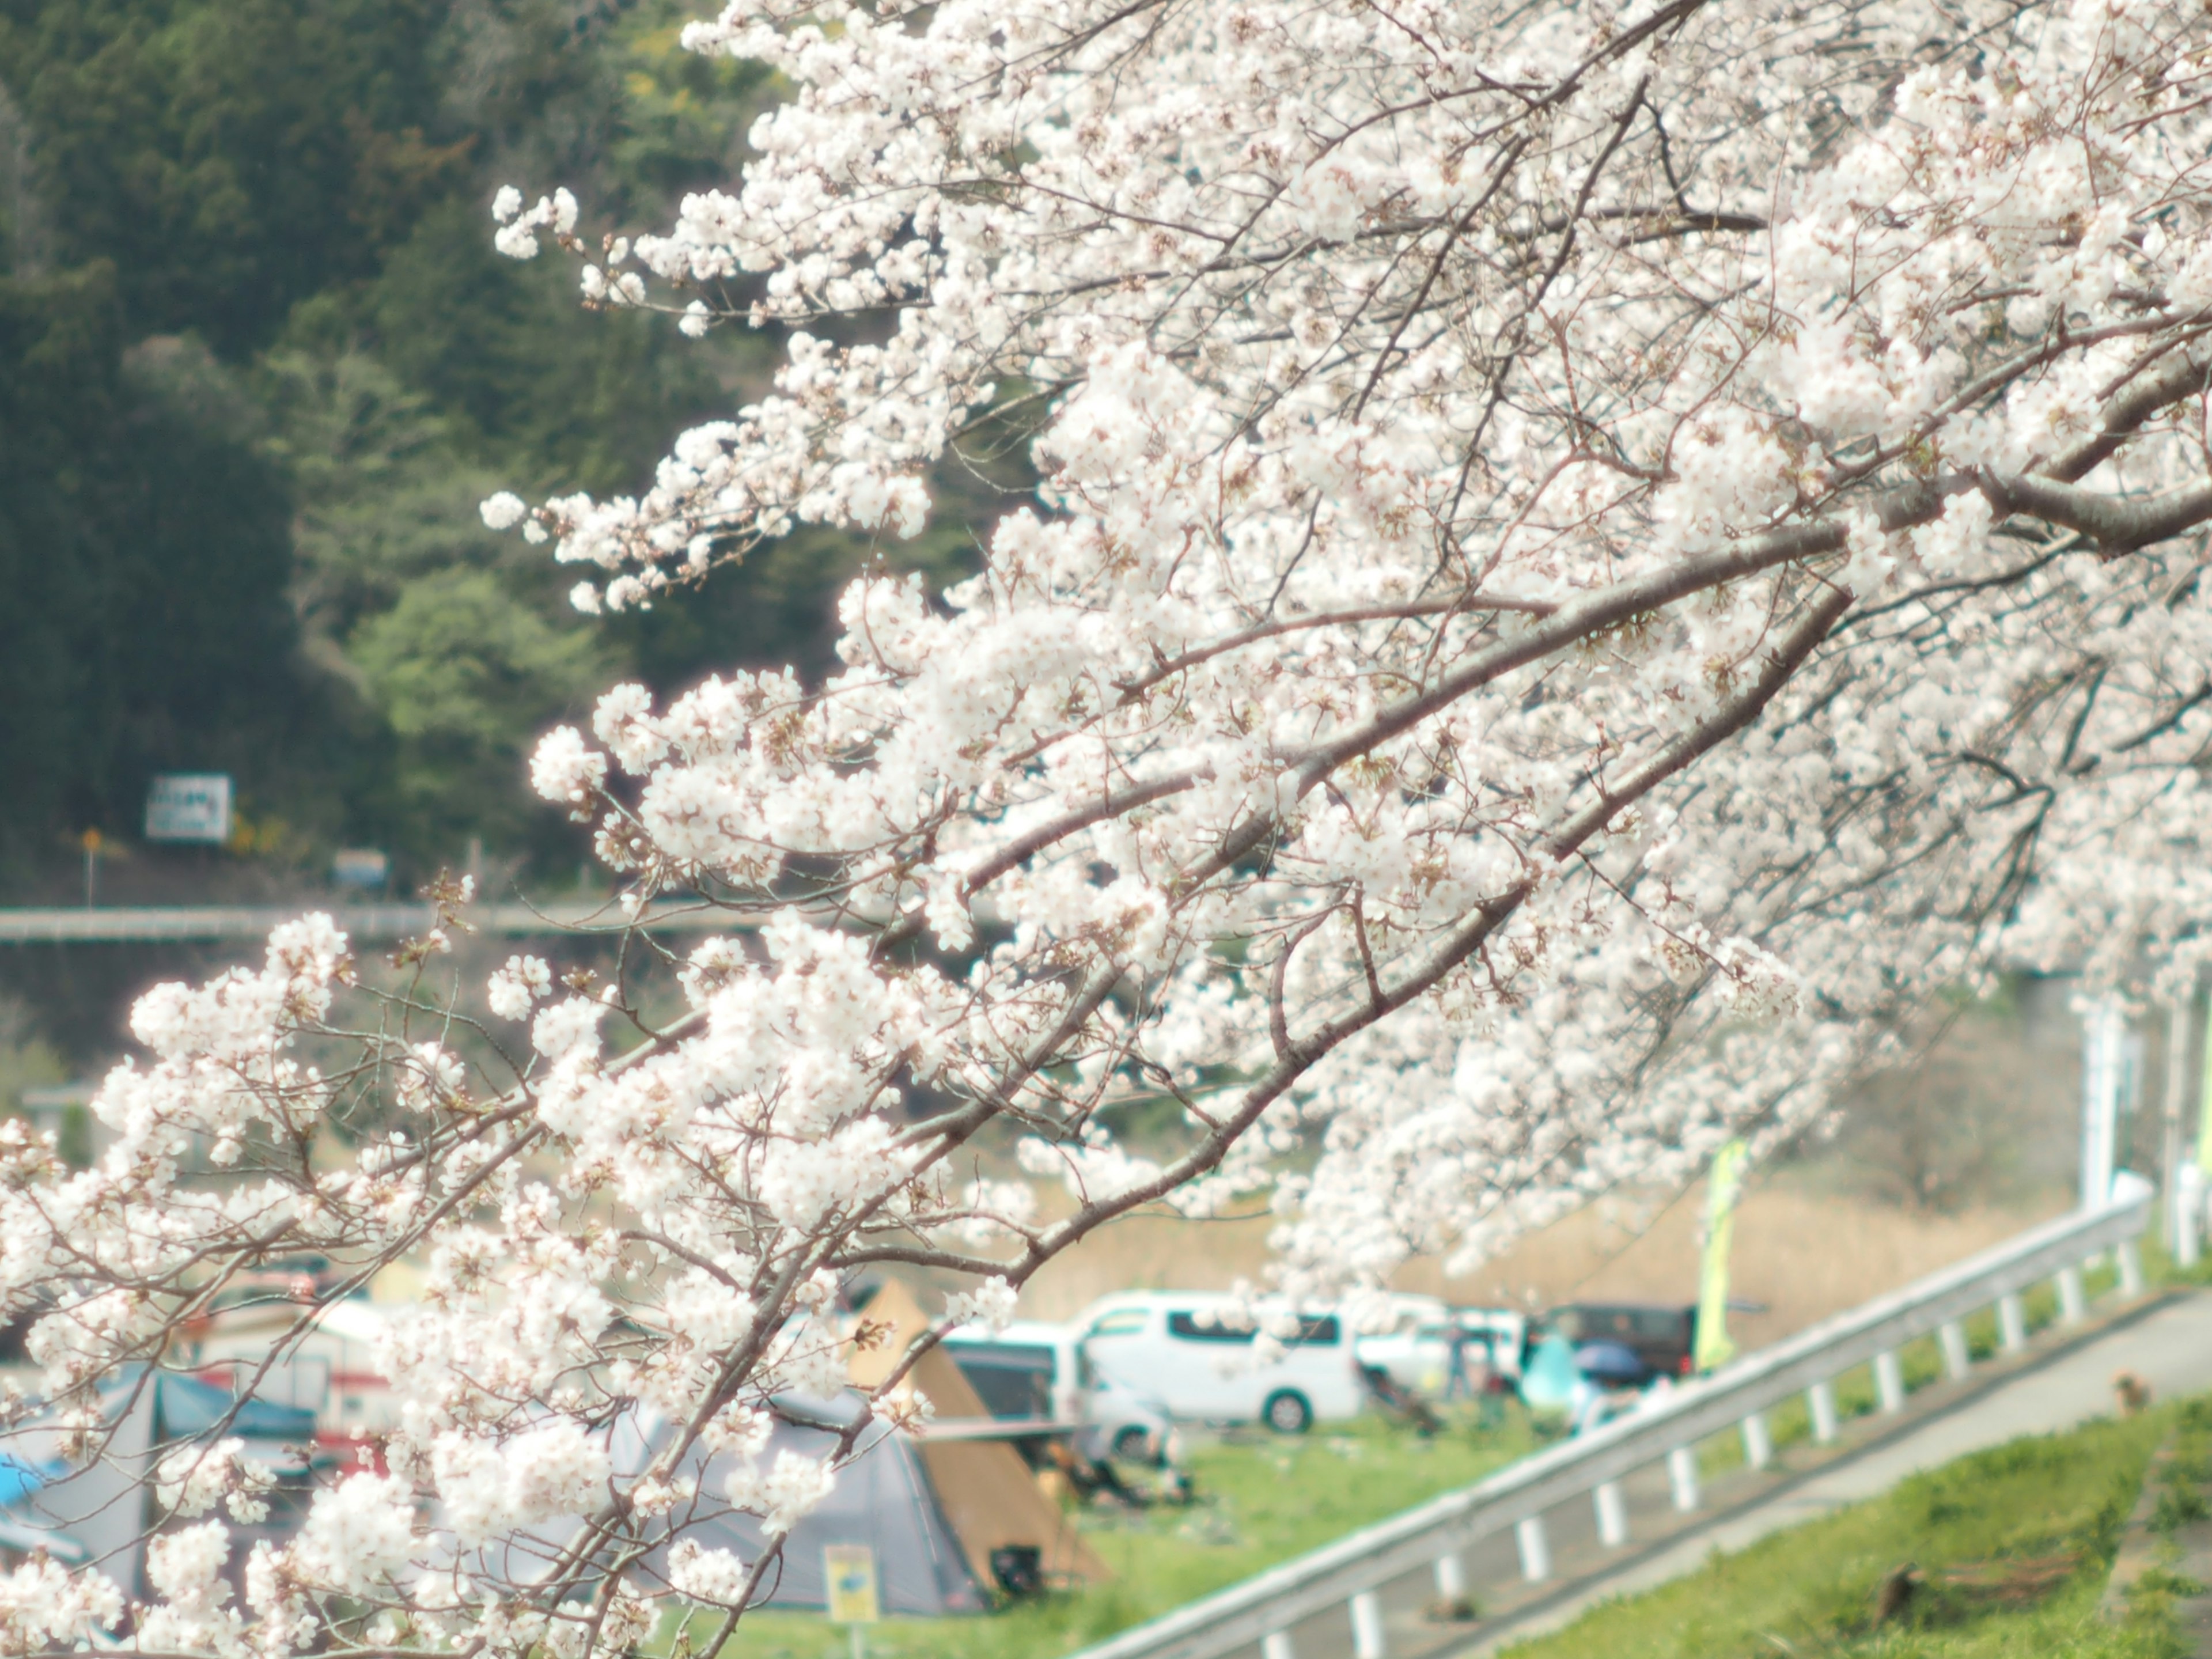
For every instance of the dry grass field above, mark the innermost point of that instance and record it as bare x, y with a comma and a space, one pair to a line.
1802, 1250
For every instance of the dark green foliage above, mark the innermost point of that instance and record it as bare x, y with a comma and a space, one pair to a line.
144, 550
559, 399
463, 675
258, 364
231, 159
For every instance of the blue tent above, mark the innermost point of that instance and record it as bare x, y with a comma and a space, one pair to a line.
186, 1406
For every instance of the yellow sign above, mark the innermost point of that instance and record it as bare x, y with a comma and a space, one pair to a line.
850, 1571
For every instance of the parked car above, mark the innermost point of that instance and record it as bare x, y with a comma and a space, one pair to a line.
1664, 1335
1192, 1352
1416, 1352
1032, 1369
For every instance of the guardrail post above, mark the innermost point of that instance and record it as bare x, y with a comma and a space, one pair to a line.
1821, 1398
2073, 1305
1612, 1514
2012, 1323
1535, 1548
2131, 1278
1889, 1380
1957, 1360
1451, 1578
1276, 1644
1758, 1441
1682, 1476
1367, 1626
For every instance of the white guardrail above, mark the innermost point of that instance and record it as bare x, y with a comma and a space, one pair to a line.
1263, 1610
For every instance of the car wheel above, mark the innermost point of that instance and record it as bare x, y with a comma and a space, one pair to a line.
1133, 1444
1287, 1412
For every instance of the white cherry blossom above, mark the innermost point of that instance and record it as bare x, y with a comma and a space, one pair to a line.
1588, 561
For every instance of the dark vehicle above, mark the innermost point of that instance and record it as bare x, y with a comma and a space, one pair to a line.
1664, 1336
1013, 1379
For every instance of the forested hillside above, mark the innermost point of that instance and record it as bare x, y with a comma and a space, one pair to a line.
258, 363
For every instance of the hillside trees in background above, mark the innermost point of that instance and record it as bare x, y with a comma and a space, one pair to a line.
260, 351
129, 630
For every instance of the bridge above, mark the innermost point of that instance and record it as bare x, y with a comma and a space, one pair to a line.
190, 923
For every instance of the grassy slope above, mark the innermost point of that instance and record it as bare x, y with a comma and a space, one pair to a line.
1811, 1590
1262, 1501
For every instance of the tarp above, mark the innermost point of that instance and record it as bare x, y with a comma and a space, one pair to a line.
987, 1492
882, 1500
1548, 1381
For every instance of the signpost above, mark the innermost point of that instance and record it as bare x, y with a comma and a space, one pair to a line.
365, 867
849, 1570
189, 807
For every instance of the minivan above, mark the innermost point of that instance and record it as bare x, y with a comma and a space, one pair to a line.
1195, 1352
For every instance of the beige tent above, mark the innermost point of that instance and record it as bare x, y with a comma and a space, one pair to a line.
987, 1492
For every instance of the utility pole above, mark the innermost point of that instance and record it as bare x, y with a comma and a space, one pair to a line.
2171, 1149
2103, 1035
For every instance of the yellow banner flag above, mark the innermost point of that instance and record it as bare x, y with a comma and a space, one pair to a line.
1723, 1188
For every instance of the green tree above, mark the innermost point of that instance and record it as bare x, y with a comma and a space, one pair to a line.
466, 678
231, 157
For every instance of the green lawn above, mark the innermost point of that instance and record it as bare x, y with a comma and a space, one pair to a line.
1261, 1499
2012, 1547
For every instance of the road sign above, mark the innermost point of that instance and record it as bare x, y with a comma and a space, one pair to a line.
189, 807
360, 866
850, 1572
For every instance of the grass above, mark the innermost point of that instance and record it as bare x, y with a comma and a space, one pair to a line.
2011, 1547
1261, 1499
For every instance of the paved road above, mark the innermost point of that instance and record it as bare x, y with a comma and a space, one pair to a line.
2170, 1348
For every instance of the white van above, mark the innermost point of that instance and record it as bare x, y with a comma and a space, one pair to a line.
1190, 1351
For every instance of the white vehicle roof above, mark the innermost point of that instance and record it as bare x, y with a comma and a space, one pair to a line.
1392, 1310
1189, 1301
1030, 1333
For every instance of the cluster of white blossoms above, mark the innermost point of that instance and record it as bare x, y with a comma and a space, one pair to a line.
1588, 559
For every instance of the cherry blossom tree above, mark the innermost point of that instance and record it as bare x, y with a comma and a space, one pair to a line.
1586, 558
